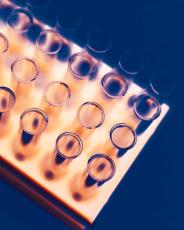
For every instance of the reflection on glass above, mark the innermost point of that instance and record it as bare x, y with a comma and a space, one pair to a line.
162, 83
68, 146
100, 169
24, 71
90, 115
20, 20
98, 42
49, 42
7, 102
33, 122
114, 85
131, 63
146, 107
4, 44
123, 137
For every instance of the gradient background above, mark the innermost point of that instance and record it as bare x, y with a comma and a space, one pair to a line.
151, 195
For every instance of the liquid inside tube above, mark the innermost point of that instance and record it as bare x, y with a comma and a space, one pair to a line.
33, 122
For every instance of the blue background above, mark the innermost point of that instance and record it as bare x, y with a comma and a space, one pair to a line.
151, 195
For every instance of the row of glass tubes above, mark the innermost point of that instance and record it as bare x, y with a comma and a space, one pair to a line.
90, 115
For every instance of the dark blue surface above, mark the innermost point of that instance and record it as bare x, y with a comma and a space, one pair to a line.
151, 195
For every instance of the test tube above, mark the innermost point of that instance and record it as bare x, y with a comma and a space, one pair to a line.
100, 169
90, 115
131, 63
98, 43
56, 95
20, 20
68, 147
146, 107
48, 44
4, 46
123, 137
7, 103
33, 122
83, 66
67, 23
114, 85
162, 84
49, 41
24, 71
80, 67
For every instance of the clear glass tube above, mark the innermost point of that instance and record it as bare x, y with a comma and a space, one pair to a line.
56, 93
55, 97
162, 83
24, 71
48, 45
49, 42
131, 63
98, 42
146, 107
100, 169
20, 20
7, 103
68, 146
123, 136
114, 85
90, 115
68, 22
33, 122
81, 65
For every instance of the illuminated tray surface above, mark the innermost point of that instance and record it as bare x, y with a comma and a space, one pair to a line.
62, 188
